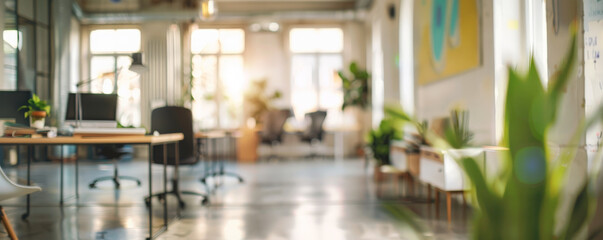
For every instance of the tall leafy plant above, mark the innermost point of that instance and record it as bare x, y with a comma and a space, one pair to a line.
523, 202
355, 88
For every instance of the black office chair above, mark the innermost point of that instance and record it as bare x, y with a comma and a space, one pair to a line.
272, 128
114, 152
314, 132
175, 120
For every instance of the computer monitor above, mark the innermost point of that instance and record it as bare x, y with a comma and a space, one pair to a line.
10, 101
98, 110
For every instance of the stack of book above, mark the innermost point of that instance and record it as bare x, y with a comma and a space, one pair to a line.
19, 130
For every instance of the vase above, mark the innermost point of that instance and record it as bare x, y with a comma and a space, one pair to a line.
37, 119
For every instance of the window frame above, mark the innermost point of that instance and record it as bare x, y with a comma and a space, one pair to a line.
115, 55
218, 98
316, 56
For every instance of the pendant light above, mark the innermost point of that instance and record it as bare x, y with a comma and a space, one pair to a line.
207, 10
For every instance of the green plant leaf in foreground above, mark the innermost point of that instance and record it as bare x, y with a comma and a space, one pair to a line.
408, 220
523, 201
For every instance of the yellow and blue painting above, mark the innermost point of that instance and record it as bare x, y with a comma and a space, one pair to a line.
449, 40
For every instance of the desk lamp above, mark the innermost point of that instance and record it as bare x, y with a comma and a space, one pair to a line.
136, 66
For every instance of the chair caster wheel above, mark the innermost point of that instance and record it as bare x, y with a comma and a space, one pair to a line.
241, 180
182, 205
147, 202
138, 182
205, 201
202, 180
92, 185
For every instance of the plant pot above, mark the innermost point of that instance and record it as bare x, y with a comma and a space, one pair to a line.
37, 119
403, 159
378, 176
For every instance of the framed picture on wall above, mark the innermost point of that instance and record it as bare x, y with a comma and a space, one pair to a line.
448, 38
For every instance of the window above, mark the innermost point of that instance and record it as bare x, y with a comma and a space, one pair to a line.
109, 70
26, 36
217, 77
316, 58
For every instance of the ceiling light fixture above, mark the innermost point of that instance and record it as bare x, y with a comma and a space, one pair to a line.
207, 10
264, 26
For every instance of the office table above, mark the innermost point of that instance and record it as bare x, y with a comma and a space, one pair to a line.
213, 136
150, 141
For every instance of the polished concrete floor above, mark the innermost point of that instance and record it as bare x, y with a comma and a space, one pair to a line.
292, 199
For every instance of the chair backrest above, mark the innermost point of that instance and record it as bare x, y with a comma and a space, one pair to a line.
315, 128
273, 122
9, 189
173, 119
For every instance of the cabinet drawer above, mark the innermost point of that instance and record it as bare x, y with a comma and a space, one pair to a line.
432, 172
398, 159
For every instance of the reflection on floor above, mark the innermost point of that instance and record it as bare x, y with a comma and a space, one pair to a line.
305, 199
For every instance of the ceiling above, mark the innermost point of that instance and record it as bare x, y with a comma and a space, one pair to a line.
227, 6
135, 11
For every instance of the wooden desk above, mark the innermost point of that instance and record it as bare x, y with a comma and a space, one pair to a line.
148, 140
210, 135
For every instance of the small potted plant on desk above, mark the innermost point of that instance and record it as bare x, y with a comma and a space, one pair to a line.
37, 111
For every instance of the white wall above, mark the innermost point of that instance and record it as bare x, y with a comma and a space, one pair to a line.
593, 25
571, 110
593, 33
266, 58
473, 90
383, 55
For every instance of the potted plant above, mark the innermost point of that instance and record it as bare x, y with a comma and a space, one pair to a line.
379, 140
257, 101
355, 88
529, 199
37, 111
356, 95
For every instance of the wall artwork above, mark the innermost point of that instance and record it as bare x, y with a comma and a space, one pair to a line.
447, 38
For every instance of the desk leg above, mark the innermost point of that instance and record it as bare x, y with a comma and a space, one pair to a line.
77, 174
206, 163
165, 199
61, 180
29, 150
225, 156
150, 192
215, 162
339, 151
176, 177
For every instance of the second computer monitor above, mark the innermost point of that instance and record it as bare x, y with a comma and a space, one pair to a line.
10, 101
98, 110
